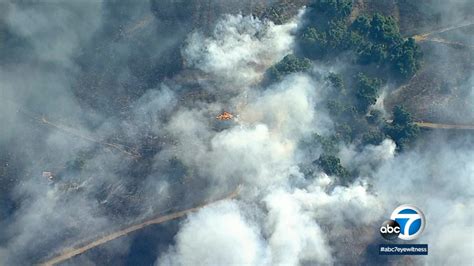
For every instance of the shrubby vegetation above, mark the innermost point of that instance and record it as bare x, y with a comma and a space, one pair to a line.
373, 39
331, 165
278, 13
353, 121
376, 46
367, 91
337, 82
289, 64
349, 107
333, 8
328, 144
405, 57
373, 137
402, 129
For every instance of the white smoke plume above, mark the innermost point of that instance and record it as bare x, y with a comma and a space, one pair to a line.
39, 84
220, 235
371, 156
240, 49
439, 180
313, 221
282, 216
260, 152
294, 236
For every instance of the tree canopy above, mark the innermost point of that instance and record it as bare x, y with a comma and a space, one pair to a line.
331, 165
334, 8
367, 91
402, 129
289, 64
372, 39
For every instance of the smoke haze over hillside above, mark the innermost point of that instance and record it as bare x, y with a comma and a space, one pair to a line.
65, 63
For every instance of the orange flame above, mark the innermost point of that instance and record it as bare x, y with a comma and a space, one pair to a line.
225, 116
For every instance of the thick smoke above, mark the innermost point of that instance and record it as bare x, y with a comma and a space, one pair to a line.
261, 153
294, 236
225, 237
313, 221
439, 180
283, 216
40, 79
239, 49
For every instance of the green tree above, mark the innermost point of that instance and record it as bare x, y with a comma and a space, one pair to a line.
278, 13
328, 144
357, 42
378, 53
289, 64
402, 129
334, 8
336, 108
338, 36
384, 29
406, 58
401, 116
362, 25
374, 40
337, 82
313, 42
367, 90
345, 132
373, 137
331, 165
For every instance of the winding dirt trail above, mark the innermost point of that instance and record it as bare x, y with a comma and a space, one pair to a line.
443, 126
444, 41
426, 36
71, 252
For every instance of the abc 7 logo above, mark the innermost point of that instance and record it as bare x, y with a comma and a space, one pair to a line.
407, 222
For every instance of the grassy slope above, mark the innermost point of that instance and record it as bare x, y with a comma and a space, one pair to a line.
442, 83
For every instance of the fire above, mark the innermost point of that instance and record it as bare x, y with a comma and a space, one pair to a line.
225, 116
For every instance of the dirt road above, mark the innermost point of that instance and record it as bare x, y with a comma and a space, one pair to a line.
443, 126
426, 36
69, 253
